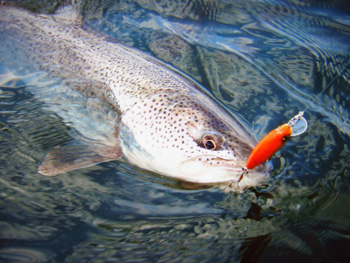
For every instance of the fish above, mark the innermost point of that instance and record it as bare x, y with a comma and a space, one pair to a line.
166, 122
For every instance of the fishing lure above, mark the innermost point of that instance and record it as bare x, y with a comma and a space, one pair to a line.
275, 140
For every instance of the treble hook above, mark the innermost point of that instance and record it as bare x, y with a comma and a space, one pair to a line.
245, 171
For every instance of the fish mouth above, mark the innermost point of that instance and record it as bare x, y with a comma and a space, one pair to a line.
215, 170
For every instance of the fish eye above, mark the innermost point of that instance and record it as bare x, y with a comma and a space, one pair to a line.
210, 142
209, 145
285, 138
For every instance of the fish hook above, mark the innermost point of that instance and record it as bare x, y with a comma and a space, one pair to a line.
244, 171
279, 156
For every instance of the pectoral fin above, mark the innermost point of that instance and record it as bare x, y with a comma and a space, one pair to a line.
72, 157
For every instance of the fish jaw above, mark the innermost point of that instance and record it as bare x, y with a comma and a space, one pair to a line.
229, 175
213, 170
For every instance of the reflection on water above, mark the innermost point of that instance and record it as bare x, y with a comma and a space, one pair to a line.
265, 60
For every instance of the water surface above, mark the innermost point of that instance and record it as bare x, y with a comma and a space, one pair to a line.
265, 61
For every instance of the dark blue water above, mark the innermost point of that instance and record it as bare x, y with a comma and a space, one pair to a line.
266, 61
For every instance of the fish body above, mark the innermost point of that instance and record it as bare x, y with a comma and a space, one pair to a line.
166, 122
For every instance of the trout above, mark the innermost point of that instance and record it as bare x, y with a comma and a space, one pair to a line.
167, 123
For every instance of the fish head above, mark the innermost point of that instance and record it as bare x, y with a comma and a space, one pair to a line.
191, 139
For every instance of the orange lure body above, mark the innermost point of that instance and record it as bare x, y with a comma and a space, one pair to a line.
269, 145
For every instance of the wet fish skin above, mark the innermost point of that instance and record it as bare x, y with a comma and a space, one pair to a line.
165, 118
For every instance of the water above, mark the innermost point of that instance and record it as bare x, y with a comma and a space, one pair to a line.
266, 61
